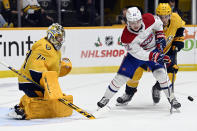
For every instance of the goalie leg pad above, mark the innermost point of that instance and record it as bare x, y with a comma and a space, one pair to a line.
51, 85
47, 106
38, 107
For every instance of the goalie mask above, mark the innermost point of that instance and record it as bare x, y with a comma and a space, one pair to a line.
56, 35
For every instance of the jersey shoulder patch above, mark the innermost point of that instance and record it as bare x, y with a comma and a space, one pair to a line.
127, 37
48, 47
148, 19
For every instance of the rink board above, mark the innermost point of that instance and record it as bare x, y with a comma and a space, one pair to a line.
91, 49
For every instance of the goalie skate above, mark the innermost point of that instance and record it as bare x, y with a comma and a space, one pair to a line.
17, 113
124, 100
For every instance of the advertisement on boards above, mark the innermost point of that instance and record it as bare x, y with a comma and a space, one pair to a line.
86, 47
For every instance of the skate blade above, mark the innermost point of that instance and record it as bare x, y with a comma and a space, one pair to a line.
122, 104
173, 110
101, 111
154, 104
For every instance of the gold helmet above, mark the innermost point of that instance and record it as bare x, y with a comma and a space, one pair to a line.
56, 35
163, 9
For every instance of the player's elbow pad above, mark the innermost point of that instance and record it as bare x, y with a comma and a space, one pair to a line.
66, 67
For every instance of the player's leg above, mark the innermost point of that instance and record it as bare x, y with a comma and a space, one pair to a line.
131, 88
126, 70
118, 81
173, 68
166, 86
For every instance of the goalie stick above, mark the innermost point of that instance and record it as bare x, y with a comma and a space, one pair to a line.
64, 101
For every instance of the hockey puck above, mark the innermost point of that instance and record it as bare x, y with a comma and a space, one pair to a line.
190, 98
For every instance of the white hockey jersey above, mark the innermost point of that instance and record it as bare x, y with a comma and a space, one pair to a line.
140, 44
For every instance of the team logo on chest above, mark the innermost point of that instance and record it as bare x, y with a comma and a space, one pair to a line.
146, 42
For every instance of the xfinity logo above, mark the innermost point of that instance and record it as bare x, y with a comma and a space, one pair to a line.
14, 48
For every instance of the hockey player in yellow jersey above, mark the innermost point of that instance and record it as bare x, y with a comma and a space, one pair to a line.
43, 64
173, 29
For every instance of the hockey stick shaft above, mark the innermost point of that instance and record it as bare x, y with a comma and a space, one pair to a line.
167, 79
20, 74
169, 92
173, 75
64, 101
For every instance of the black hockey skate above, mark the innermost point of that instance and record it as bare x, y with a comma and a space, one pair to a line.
175, 104
102, 102
124, 100
17, 113
156, 93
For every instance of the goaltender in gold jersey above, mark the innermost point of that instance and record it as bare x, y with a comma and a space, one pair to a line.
43, 64
173, 28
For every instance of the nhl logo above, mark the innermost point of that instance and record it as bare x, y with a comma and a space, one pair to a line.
109, 40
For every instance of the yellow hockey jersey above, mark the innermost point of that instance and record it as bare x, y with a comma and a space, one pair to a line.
42, 57
170, 31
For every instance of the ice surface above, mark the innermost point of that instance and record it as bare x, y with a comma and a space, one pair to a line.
87, 90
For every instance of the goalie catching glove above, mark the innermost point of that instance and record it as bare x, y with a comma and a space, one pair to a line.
159, 58
66, 67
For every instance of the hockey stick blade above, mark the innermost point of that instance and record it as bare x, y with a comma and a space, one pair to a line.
100, 112
76, 108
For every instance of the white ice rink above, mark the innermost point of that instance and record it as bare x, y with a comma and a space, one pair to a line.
139, 115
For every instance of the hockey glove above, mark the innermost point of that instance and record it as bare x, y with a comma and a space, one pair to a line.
159, 58
178, 45
173, 68
161, 44
67, 61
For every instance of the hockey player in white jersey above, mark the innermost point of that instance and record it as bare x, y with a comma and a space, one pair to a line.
144, 41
